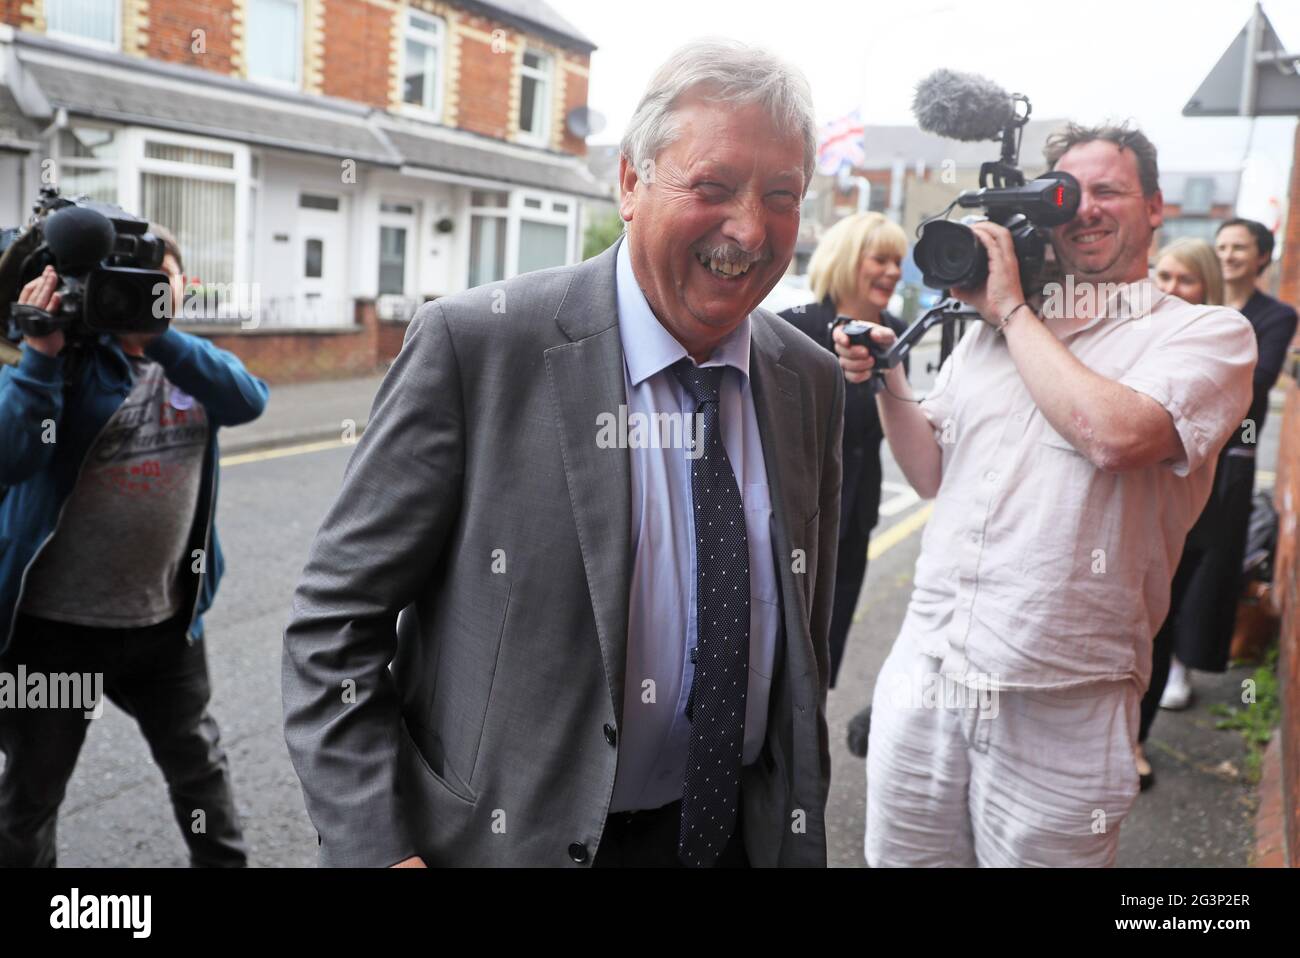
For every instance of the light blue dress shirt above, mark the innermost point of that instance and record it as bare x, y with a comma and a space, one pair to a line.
661, 627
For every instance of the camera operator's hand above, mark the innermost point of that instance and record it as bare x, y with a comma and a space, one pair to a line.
40, 293
1001, 293
857, 361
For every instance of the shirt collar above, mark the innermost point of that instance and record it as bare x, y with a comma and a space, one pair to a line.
1129, 301
648, 347
1138, 299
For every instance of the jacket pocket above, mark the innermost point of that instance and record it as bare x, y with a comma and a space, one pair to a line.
428, 755
469, 654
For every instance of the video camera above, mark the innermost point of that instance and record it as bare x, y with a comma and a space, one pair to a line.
967, 107
108, 266
950, 254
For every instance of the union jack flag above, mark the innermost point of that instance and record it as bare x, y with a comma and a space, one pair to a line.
840, 143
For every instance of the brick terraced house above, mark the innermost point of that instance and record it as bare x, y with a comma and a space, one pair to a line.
338, 161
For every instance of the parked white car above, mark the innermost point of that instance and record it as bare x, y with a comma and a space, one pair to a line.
790, 291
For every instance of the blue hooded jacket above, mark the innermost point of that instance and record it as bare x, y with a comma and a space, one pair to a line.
47, 429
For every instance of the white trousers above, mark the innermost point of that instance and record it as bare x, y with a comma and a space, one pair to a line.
1020, 778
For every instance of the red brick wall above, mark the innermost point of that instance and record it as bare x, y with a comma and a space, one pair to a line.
575, 95
389, 343
171, 33
11, 13
296, 356
485, 79
1287, 590
1290, 265
357, 51
1286, 581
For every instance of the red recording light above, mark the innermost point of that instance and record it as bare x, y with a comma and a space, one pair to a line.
1060, 196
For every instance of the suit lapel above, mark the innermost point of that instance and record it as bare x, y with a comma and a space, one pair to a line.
586, 380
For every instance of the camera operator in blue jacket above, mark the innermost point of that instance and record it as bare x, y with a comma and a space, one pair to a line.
109, 559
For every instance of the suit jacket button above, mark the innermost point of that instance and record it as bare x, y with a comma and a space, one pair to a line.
578, 852
610, 735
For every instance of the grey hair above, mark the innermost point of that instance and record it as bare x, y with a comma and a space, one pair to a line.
734, 73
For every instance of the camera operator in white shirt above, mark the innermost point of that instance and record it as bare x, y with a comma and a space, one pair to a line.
1068, 455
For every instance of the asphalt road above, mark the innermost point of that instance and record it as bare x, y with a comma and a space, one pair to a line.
117, 813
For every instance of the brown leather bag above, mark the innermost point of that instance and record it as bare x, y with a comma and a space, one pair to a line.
1257, 623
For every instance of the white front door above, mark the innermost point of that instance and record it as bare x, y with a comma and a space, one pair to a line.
397, 259
322, 277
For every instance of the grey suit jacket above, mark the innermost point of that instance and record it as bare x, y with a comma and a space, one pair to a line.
453, 669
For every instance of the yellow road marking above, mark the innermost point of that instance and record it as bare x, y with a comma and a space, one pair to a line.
880, 544
281, 451
898, 532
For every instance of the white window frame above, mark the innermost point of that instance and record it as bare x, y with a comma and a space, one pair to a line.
500, 212
134, 164
545, 76
519, 212
114, 44
297, 45
437, 39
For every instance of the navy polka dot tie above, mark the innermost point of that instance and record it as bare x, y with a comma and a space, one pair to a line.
716, 706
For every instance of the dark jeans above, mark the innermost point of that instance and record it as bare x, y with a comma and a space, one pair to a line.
850, 570
155, 675
649, 840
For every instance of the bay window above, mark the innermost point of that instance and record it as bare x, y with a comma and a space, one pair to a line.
518, 232
86, 163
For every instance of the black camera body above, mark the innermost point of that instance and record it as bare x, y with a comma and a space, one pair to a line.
950, 254
108, 264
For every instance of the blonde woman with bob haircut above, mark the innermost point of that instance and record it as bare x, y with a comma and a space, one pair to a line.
852, 273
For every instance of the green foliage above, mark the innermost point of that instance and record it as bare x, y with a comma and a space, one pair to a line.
601, 234
1257, 720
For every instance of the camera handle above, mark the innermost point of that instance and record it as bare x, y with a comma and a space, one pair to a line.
948, 311
36, 322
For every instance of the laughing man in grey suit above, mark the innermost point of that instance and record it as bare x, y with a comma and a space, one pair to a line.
532, 631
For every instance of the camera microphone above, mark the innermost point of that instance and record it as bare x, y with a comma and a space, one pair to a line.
962, 106
79, 238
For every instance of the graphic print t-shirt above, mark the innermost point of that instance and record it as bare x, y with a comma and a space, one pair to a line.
116, 557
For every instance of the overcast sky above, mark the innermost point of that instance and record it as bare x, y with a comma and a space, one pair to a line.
1091, 60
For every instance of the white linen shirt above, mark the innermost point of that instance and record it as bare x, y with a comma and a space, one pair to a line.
1037, 569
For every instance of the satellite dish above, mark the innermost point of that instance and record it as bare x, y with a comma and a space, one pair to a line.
583, 121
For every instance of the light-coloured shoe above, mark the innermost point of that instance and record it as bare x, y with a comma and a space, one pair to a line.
1178, 690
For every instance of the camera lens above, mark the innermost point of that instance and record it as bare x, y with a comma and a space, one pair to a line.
120, 299
949, 254
115, 305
